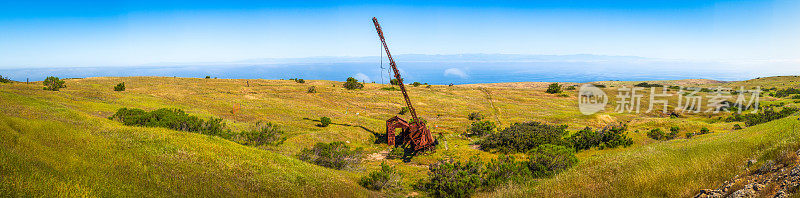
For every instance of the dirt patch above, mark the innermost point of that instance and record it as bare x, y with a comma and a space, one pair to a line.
378, 156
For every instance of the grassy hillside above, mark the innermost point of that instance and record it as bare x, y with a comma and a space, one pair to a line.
62, 140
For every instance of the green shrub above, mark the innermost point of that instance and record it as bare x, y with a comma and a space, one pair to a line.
656, 134
736, 127
403, 110
612, 137
324, 121
645, 84
481, 128
547, 160
475, 116
553, 88
394, 81
4, 80
420, 119
764, 116
352, 83
449, 178
416, 84
120, 87
385, 178
689, 135
312, 89
796, 96
390, 89
780, 93
336, 155
208, 77
599, 85
174, 119
522, 137
396, 153
53, 83
704, 130
299, 80
569, 88
503, 170
673, 133
262, 134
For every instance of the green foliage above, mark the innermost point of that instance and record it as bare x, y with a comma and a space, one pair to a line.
505, 169
299, 80
673, 133
553, 88
324, 121
208, 77
645, 84
656, 134
262, 134
569, 88
352, 83
737, 127
53, 83
547, 159
120, 87
780, 93
336, 155
416, 84
312, 89
420, 119
796, 96
385, 178
396, 153
174, 119
599, 85
475, 116
394, 81
450, 178
606, 138
403, 110
390, 89
704, 130
4, 80
764, 116
674, 87
522, 137
689, 135
481, 128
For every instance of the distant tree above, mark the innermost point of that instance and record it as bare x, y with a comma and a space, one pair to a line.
352, 83
553, 88
299, 80
208, 77
416, 84
4, 80
53, 83
120, 87
324, 121
394, 81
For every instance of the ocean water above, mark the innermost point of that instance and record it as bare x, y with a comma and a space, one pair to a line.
440, 73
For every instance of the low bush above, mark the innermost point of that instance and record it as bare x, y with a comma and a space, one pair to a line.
481, 128
352, 83
390, 89
299, 80
52, 83
599, 85
4, 80
547, 160
645, 84
764, 116
522, 137
262, 134
780, 93
503, 170
174, 119
475, 116
324, 121
394, 81
312, 89
396, 153
704, 130
416, 84
208, 77
656, 134
569, 88
689, 135
737, 127
385, 178
336, 155
450, 178
612, 137
553, 88
120, 87
673, 133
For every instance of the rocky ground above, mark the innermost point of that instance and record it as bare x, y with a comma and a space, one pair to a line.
769, 180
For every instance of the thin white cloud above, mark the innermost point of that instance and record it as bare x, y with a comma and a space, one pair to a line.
455, 72
362, 77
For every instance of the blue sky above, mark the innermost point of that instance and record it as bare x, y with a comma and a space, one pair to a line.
123, 33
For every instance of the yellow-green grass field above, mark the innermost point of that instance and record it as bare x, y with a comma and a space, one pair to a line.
60, 143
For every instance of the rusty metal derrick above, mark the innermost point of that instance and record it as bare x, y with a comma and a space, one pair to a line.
414, 133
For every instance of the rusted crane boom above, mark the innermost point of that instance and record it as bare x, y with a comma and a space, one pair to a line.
413, 132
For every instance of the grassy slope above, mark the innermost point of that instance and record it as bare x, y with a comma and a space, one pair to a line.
48, 149
356, 114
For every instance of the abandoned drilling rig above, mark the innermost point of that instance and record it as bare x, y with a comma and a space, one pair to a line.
415, 132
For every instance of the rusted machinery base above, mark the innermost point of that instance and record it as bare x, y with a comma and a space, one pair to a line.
416, 134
